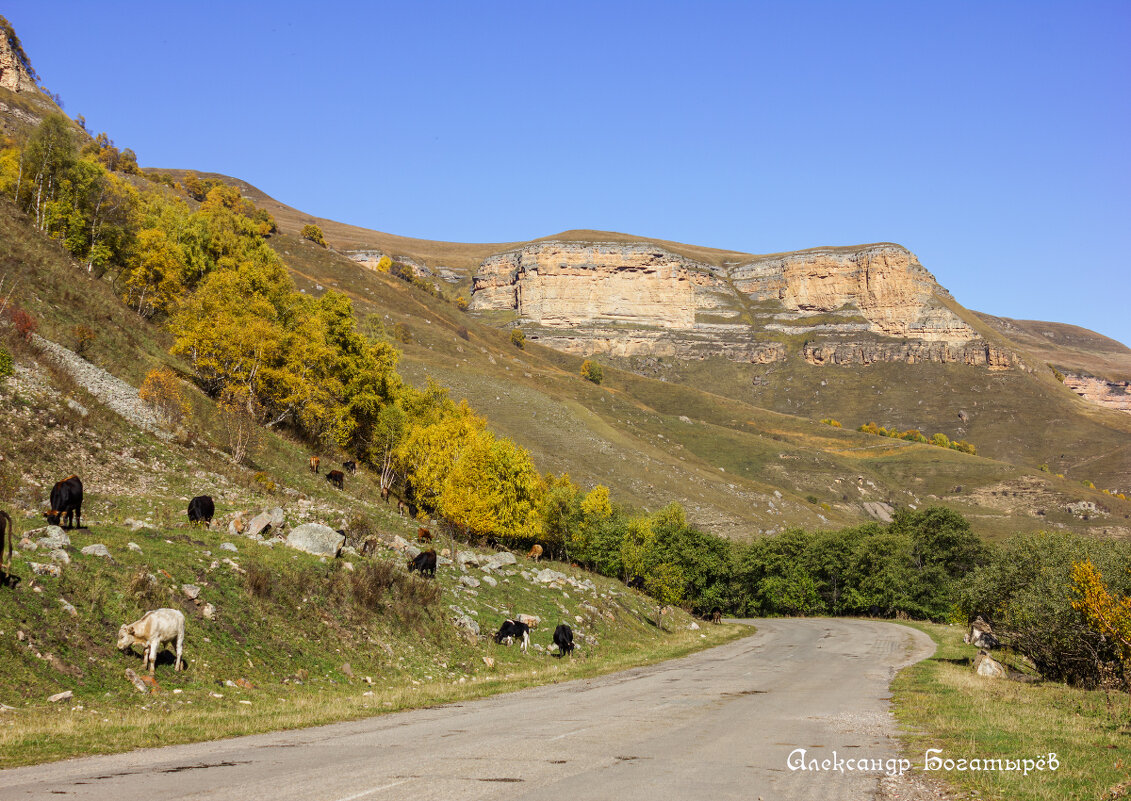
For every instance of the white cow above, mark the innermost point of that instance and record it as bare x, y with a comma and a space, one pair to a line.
155, 628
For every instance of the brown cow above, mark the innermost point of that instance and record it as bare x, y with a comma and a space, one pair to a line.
6, 527
385, 494
401, 507
314, 462
535, 552
716, 615
337, 478
423, 535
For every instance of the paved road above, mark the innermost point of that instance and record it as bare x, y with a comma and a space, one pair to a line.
717, 725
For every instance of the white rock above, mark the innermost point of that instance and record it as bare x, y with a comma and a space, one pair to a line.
54, 537
133, 546
317, 539
227, 546
60, 556
63, 696
98, 549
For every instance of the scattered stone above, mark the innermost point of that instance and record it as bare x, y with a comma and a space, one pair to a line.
227, 546
317, 539
259, 524
68, 607
237, 525
502, 558
63, 696
27, 545
245, 684
98, 549
468, 581
489, 661
60, 556
233, 566
467, 624
191, 591
446, 552
134, 524
986, 665
548, 576
468, 558
879, 510
54, 537
490, 580
209, 611
46, 570
347, 669
348, 566
133, 546
276, 515
694, 626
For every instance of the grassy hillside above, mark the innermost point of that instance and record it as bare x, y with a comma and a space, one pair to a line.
628, 432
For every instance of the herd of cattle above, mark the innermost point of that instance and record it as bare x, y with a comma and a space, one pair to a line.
159, 627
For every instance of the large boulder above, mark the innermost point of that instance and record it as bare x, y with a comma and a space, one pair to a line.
317, 539
981, 635
986, 665
260, 525
468, 558
277, 517
97, 549
495, 561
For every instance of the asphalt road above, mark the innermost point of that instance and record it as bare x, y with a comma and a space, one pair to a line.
720, 724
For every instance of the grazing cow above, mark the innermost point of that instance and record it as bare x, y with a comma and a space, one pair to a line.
636, 582
201, 509
563, 638
385, 494
154, 630
350, 466
716, 615
66, 503
337, 478
512, 630
535, 552
8, 531
314, 462
425, 562
423, 535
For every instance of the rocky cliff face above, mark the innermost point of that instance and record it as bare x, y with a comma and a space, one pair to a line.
630, 299
1109, 394
15, 72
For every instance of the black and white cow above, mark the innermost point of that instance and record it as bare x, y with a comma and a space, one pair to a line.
512, 630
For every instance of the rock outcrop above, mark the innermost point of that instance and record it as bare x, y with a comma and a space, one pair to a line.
862, 305
1110, 394
16, 74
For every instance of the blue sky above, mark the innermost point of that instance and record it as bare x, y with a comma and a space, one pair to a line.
992, 139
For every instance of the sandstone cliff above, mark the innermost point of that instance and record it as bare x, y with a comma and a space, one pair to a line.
16, 73
629, 299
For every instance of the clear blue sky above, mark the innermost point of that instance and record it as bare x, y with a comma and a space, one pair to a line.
992, 139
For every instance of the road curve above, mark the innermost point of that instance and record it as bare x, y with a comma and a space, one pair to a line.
719, 724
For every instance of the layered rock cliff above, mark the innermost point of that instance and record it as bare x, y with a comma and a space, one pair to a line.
16, 73
852, 305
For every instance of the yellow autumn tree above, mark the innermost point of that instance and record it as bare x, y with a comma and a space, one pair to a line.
429, 452
1105, 613
156, 278
493, 490
162, 391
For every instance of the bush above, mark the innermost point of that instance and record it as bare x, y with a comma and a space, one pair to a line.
1026, 592
314, 234
402, 333
162, 391
518, 338
591, 371
6, 367
84, 336
23, 321
831, 422
461, 303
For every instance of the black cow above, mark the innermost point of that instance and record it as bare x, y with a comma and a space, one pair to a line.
66, 503
201, 509
512, 630
351, 466
563, 638
716, 615
337, 478
425, 562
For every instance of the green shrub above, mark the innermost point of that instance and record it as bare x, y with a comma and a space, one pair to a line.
591, 371
314, 234
6, 368
518, 338
1025, 591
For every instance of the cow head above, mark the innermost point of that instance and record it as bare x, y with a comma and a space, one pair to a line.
53, 517
125, 637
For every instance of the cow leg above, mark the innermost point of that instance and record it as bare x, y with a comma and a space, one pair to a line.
525, 641
153, 648
78, 517
180, 663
